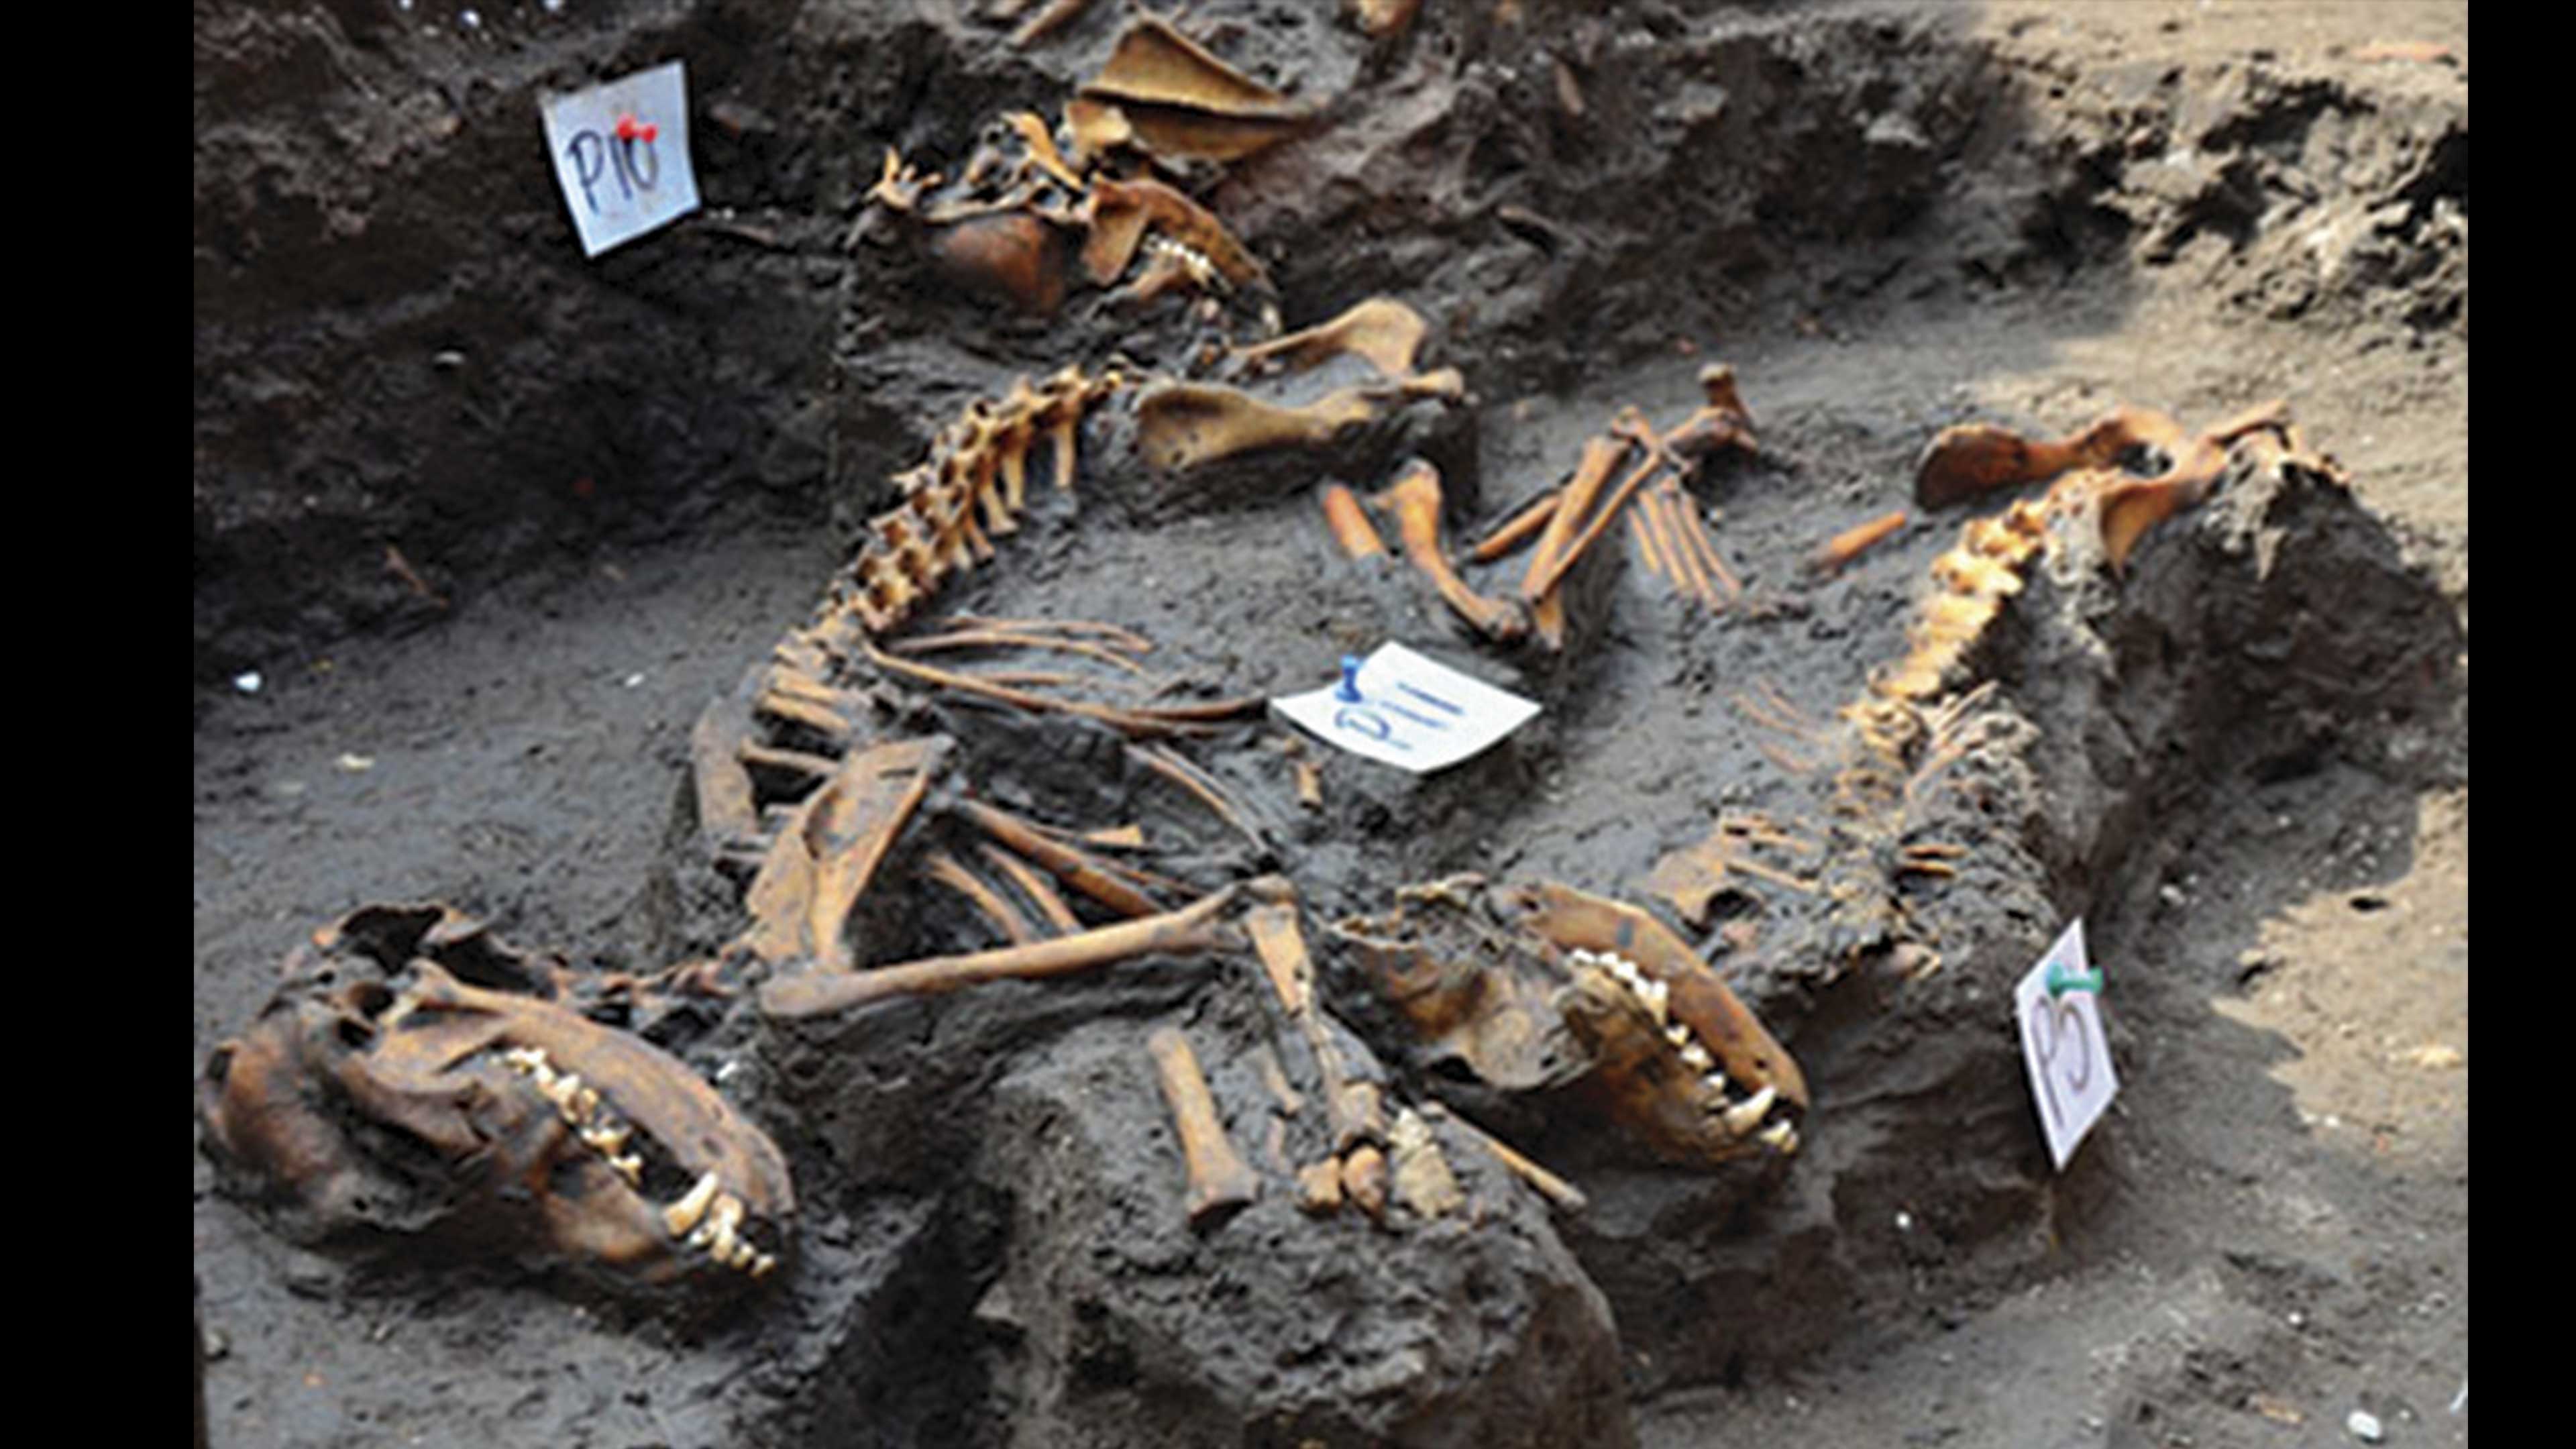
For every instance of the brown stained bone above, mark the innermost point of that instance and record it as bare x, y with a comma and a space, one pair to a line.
1186, 425
1350, 1107
1195, 929
1319, 1187
1601, 457
1349, 523
1974, 459
1135, 723
524, 1125
1116, 636
1415, 499
1659, 515
989, 902
1221, 1182
1542, 579
1121, 213
1518, 529
1364, 1180
977, 465
1012, 639
1179, 101
1199, 786
1033, 884
1381, 331
1546, 1184
1642, 533
1694, 537
1381, 18
1055, 16
1692, 877
1075, 867
820, 865
1007, 256
1851, 543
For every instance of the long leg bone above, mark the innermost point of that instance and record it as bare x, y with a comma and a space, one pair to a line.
1220, 1180
1193, 930
1415, 499
1852, 542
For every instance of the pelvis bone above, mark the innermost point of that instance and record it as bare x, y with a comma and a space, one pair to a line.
379, 1096
1539, 988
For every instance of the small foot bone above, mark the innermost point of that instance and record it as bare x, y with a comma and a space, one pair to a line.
1220, 1181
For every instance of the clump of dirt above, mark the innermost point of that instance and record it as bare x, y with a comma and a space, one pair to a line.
2241, 761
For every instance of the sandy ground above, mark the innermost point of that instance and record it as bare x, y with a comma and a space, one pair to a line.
2283, 1243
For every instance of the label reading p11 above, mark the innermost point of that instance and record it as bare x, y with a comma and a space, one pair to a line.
621, 154
1408, 711
2061, 1043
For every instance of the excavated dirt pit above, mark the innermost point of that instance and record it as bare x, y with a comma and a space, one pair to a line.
2242, 762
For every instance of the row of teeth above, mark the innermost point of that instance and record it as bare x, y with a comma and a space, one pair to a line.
580, 1107
1192, 260
707, 1218
1742, 1118
703, 1217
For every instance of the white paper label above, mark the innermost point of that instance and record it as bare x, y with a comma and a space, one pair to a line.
1411, 712
621, 154
2062, 1045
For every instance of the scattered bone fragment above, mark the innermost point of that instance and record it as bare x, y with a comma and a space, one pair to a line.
1363, 1174
1195, 929
1420, 1174
1851, 543
1319, 1187
1380, 18
1220, 1181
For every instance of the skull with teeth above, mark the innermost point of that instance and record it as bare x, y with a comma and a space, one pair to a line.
1543, 987
382, 1096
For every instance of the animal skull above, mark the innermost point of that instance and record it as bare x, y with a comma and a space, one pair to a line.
379, 1095
1542, 987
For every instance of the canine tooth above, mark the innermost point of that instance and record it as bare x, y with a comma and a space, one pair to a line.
1781, 1136
683, 1215
1746, 1115
1696, 1057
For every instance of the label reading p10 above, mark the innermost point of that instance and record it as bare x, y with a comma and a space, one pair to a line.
621, 155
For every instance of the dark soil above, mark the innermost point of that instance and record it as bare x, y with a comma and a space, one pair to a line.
492, 525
